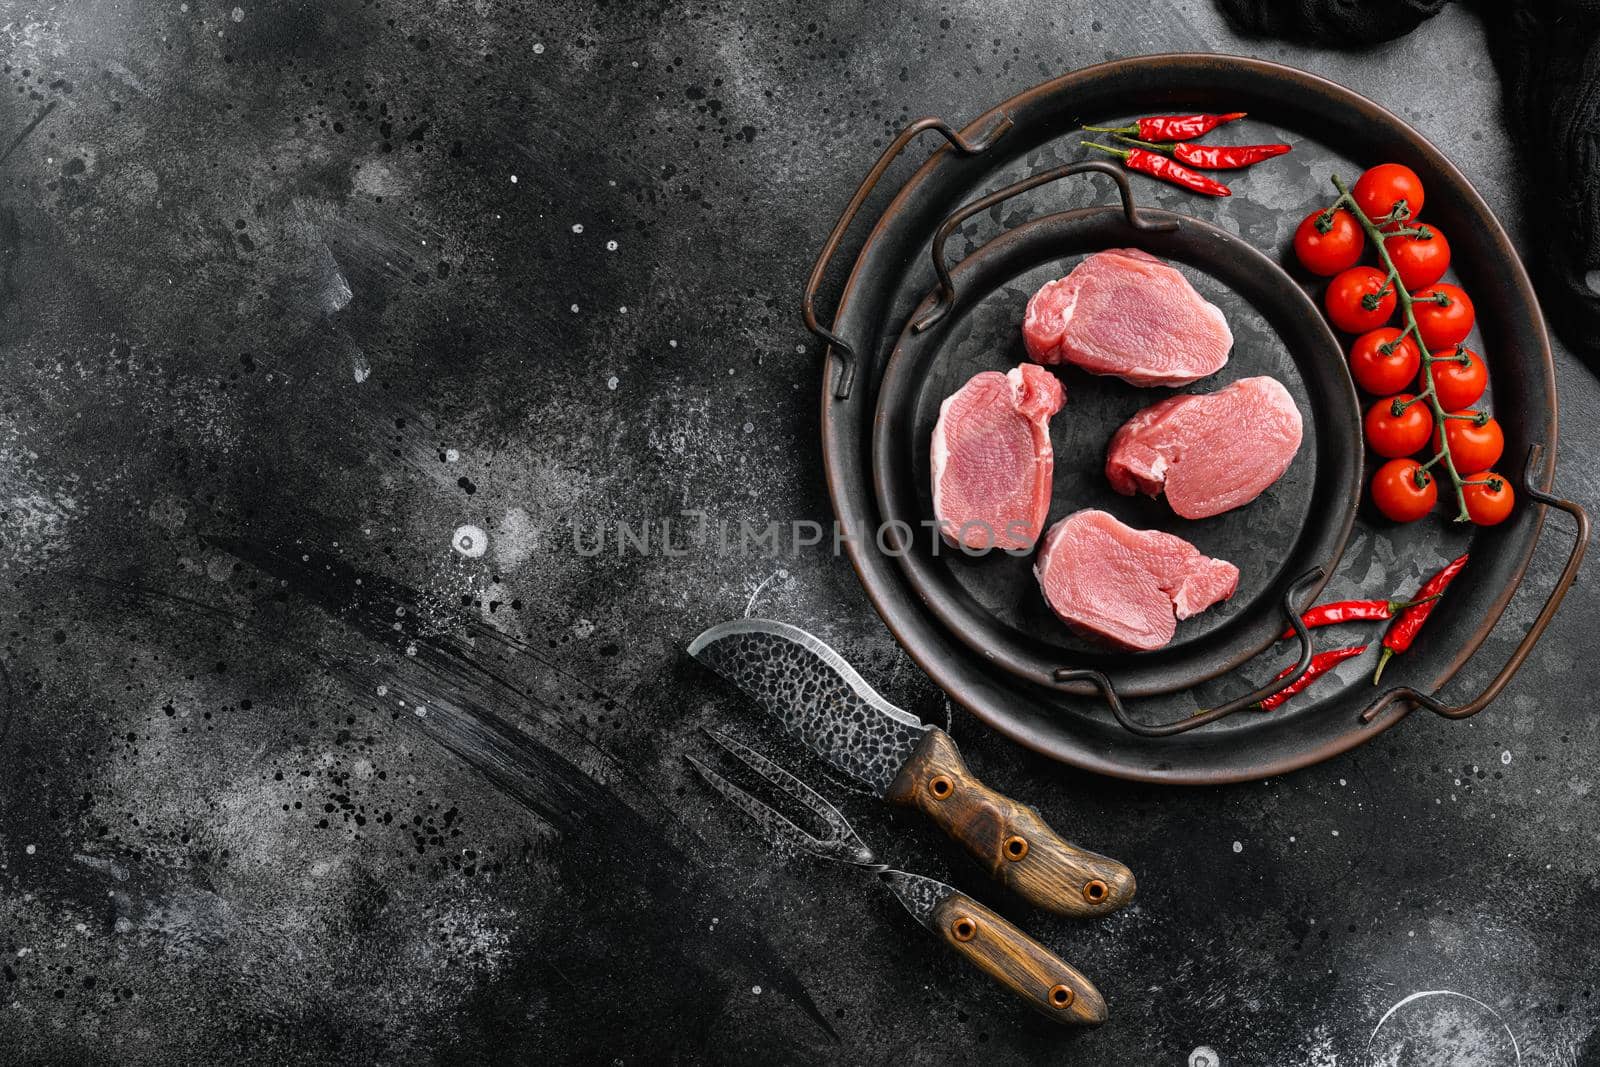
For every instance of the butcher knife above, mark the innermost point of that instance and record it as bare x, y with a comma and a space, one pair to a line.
821, 700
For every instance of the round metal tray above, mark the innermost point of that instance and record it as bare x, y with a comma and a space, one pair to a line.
1332, 130
992, 603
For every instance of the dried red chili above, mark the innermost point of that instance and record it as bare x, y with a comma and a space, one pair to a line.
1214, 156
1159, 166
1403, 631
1171, 127
1350, 611
1321, 664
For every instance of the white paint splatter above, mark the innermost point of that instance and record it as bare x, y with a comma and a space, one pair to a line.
470, 541
577, 227
515, 539
1238, 846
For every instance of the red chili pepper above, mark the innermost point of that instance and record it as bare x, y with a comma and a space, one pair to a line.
1160, 166
1214, 156
1321, 664
1403, 630
1350, 611
1171, 127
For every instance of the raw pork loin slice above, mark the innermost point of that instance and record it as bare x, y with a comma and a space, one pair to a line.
992, 460
1124, 586
1125, 313
1211, 452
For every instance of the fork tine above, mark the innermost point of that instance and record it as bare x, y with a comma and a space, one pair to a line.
839, 828
775, 825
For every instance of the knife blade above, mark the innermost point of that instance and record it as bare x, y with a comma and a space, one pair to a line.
820, 699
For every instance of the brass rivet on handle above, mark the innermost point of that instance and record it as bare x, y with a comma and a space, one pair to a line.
1062, 996
964, 928
941, 786
1016, 847
1094, 890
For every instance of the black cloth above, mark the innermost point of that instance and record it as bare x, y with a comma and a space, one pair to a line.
1548, 56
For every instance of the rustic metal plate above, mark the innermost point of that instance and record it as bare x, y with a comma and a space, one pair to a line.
992, 603
1332, 129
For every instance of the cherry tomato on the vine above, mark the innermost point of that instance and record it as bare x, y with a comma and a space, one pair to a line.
1444, 315
1398, 425
1421, 259
1359, 299
1382, 372
1474, 445
1379, 189
1459, 377
1330, 252
1490, 503
1403, 491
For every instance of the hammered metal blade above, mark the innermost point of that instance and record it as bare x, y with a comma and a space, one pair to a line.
921, 896
815, 694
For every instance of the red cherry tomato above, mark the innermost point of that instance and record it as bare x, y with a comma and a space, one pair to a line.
1421, 260
1354, 302
1331, 251
1459, 384
1473, 447
1403, 491
1378, 190
1444, 315
1488, 504
1398, 425
1382, 372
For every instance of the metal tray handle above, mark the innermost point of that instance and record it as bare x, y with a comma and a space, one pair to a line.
838, 346
1552, 604
1113, 699
947, 288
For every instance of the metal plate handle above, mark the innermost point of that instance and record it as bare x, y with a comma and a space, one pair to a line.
838, 346
1113, 699
947, 288
1569, 574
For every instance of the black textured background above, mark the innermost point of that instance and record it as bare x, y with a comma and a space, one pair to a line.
291, 291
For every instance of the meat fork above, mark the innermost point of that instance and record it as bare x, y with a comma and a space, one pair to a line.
984, 939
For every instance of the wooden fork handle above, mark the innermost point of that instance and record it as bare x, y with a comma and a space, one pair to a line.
1018, 962
1010, 839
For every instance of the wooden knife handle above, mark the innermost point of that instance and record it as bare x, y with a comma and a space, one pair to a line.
1010, 839
1018, 962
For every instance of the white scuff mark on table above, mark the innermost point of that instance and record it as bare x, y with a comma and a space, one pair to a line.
750, 605
1446, 993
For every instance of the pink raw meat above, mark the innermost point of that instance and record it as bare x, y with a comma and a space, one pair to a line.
1124, 586
1210, 452
992, 460
1125, 313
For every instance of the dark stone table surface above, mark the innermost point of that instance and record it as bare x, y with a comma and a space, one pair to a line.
292, 292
